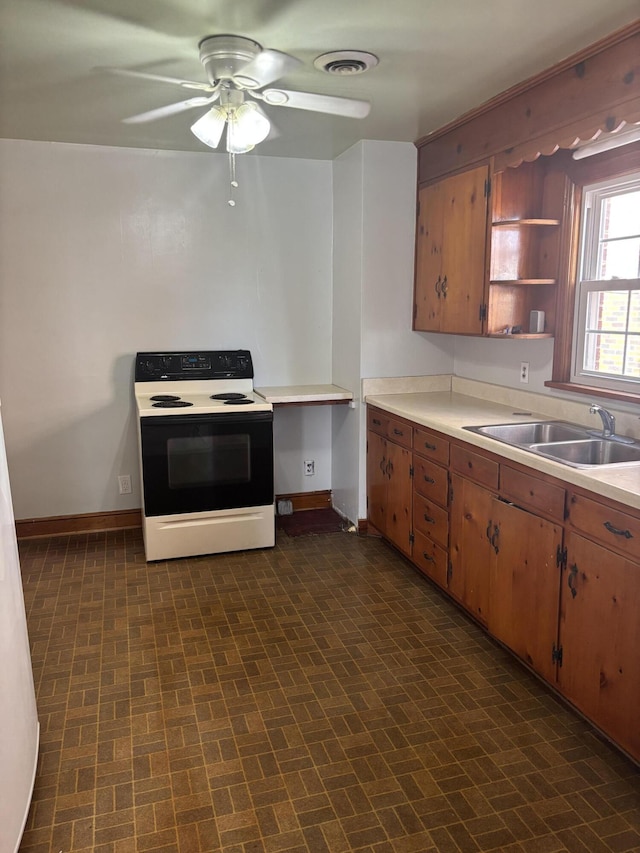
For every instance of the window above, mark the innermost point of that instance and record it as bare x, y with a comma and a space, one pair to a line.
606, 351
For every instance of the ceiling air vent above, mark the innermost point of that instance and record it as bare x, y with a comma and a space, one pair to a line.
346, 62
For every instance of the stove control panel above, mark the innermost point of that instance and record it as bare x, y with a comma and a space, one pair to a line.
201, 364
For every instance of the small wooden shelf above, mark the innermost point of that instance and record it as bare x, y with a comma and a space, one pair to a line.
529, 336
523, 281
515, 223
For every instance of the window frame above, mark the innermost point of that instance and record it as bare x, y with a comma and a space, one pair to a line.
608, 166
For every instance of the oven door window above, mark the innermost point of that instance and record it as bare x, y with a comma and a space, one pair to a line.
209, 460
199, 463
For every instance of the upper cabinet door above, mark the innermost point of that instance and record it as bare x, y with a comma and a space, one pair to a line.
450, 254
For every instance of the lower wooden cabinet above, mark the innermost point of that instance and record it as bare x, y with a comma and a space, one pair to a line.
600, 639
389, 489
555, 576
470, 548
524, 585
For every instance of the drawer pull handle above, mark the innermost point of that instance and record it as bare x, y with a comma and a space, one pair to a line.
429, 479
573, 571
377, 422
616, 530
428, 557
437, 287
382, 461
397, 432
428, 519
429, 446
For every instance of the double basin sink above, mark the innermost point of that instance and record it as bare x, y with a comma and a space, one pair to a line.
568, 443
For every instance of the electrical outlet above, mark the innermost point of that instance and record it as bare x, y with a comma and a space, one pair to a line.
309, 467
124, 484
524, 372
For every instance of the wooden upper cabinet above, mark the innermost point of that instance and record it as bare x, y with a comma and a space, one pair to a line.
450, 254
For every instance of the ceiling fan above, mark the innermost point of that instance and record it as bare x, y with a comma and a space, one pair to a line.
239, 71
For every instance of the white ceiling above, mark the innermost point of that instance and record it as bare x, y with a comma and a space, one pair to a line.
438, 58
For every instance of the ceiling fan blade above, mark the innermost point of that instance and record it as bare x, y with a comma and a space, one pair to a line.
170, 109
144, 75
267, 66
316, 103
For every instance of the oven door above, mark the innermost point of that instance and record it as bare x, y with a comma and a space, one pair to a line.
198, 463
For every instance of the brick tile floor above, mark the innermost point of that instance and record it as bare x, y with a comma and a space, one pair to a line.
319, 697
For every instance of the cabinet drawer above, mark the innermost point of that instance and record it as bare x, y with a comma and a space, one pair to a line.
474, 466
431, 520
430, 558
615, 529
431, 446
399, 432
377, 421
430, 481
531, 493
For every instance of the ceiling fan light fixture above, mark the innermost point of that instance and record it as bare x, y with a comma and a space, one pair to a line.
247, 126
346, 62
209, 127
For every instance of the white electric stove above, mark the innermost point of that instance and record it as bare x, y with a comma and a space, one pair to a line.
206, 454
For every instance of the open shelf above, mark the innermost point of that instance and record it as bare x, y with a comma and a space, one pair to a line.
518, 281
521, 336
516, 223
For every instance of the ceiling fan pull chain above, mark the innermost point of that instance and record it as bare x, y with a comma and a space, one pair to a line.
232, 172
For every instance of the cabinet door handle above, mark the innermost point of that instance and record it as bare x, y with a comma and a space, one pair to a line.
428, 519
573, 571
382, 466
429, 446
616, 530
437, 287
444, 287
429, 480
488, 534
428, 557
397, 431
389, 468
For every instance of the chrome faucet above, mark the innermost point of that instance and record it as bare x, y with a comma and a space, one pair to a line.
608, 420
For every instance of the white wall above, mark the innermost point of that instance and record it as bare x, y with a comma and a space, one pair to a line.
496, 361
106, 251
374, 232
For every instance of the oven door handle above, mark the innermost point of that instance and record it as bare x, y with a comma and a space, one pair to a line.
182, 420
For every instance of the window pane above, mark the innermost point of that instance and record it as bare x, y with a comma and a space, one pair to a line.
634, 311
604, 353
621, 215
632, 367
607, 310
620, 258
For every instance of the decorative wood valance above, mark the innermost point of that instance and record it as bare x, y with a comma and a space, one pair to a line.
595, 90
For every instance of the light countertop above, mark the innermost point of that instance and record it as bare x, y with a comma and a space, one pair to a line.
448, 412
304, 394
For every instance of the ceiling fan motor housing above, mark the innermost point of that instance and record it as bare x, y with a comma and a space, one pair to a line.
224, 55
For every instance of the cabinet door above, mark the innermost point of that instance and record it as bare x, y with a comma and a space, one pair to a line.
471, 526
600, 639
377, 480
428, 300
524, 585
399, 488
450, 254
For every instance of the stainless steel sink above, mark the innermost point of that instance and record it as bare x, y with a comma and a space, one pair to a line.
597, 451
564, 442
532, 433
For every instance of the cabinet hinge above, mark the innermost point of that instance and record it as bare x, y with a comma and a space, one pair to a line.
487, 188
482, 312
561, 558
411, 538
556, 654
411, 470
